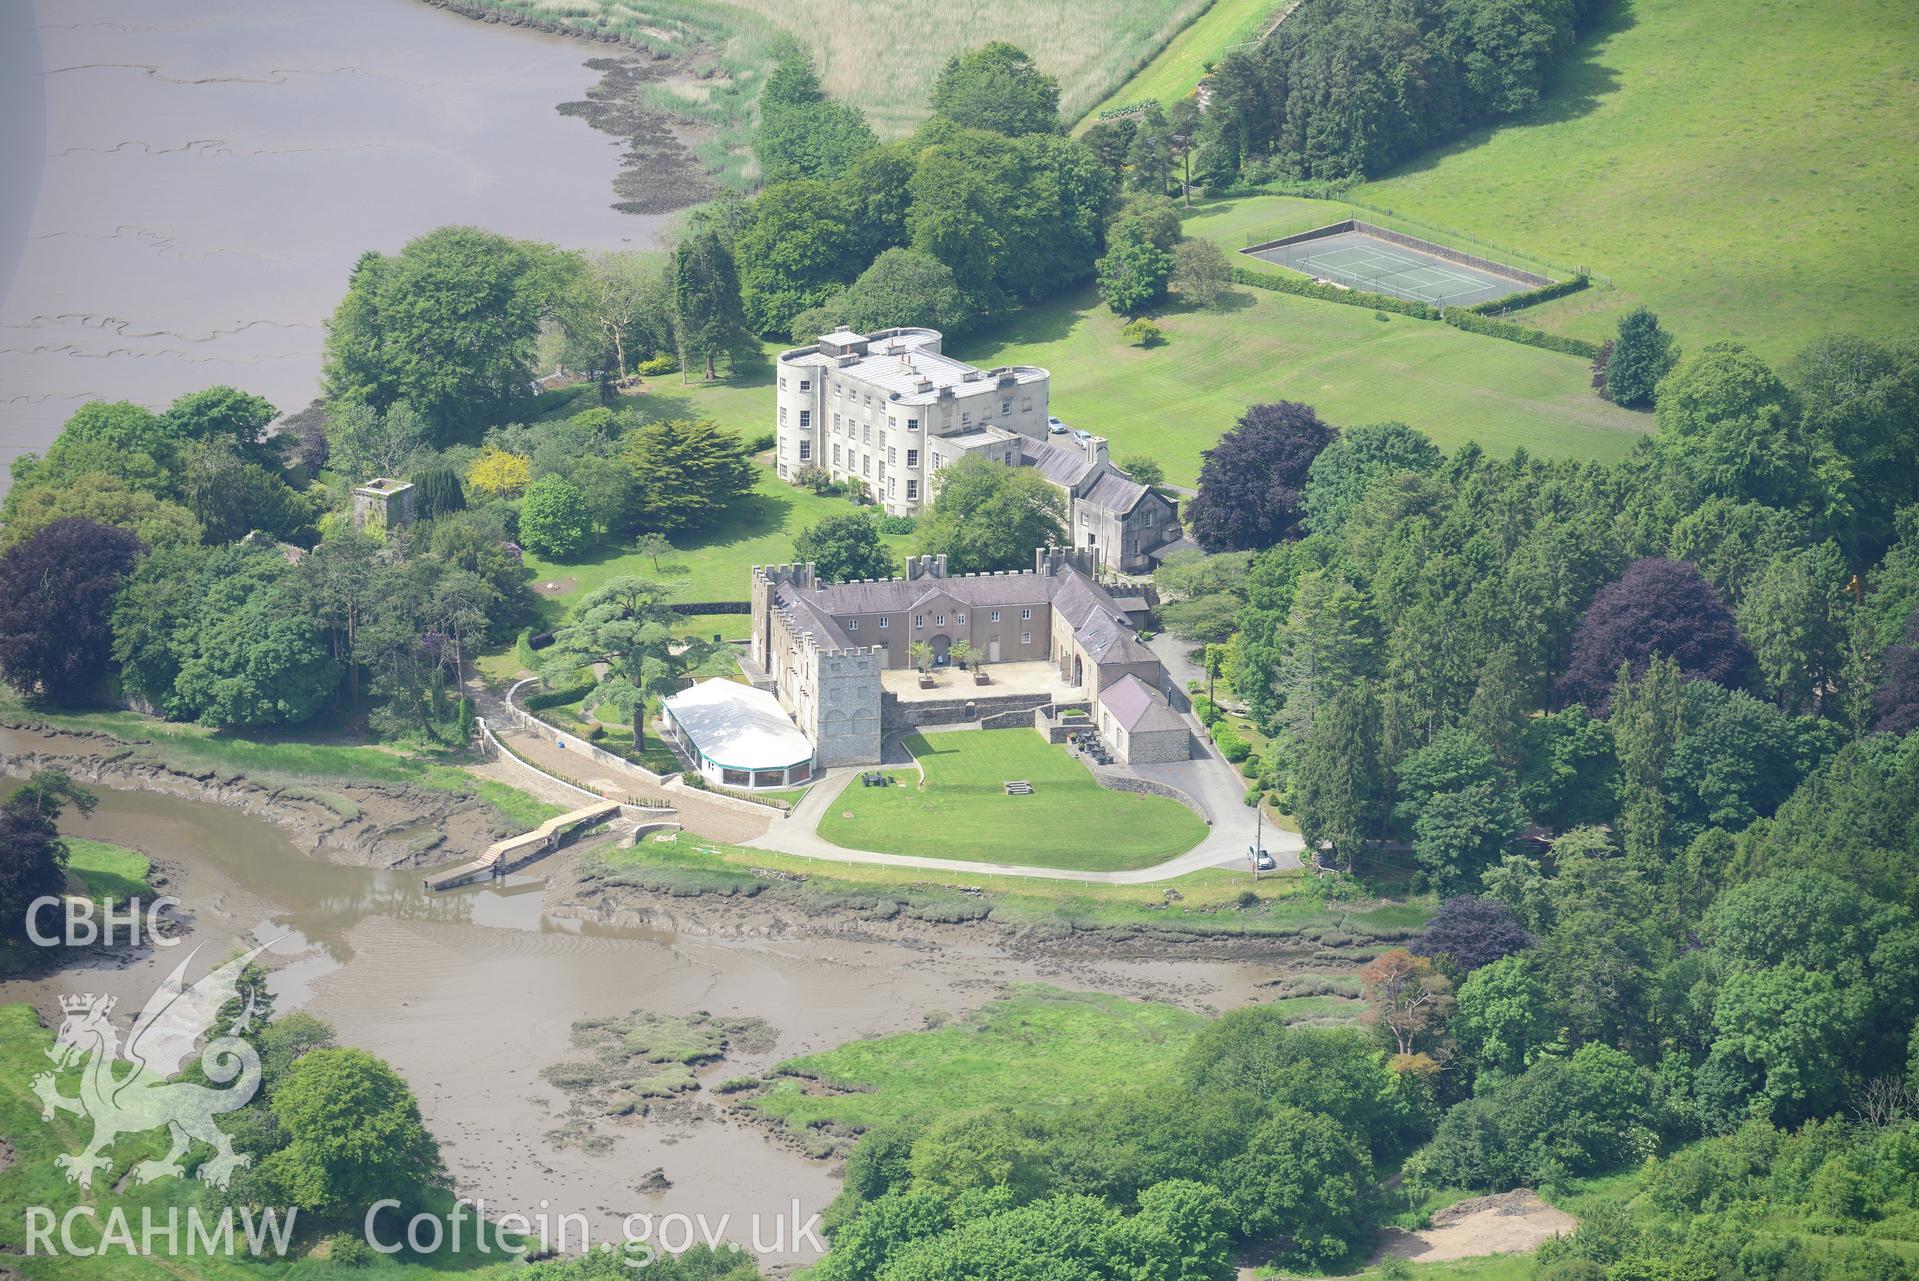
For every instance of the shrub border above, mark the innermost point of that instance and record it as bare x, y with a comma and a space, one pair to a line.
1532, 297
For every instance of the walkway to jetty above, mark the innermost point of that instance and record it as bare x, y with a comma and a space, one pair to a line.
515, 852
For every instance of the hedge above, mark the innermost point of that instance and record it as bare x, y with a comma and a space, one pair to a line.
1532, 297
1309, 188
1331, 293
1476, 324
557, 697
691, 609
1458, 317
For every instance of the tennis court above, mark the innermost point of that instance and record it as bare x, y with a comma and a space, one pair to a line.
1346, 255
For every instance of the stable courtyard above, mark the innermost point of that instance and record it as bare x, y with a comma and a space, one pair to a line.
962, 809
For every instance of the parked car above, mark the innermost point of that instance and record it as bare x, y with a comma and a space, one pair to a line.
1260, 859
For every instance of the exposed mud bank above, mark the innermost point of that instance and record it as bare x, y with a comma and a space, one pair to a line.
580, 890
359, 824
659, 173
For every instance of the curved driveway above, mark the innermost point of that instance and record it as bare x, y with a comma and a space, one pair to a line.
1210, 781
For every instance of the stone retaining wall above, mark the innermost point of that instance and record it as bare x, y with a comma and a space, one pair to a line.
1117, 782
1054, 728
897, 715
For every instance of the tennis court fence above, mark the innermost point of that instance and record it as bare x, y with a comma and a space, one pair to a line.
1374, 219
1505, 253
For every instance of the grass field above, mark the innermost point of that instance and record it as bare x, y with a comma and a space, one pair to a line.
1355, 366
1176, 70
1034, 1046
963, 810
1171, 401
1747, 168
713, 565
882, 56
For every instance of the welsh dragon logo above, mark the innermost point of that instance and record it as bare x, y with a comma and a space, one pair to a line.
160, 1044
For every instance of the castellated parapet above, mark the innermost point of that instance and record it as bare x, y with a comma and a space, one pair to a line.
841, 712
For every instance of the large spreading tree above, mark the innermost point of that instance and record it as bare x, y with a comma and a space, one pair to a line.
797, 253
627, 626
987, 516
56, 596
1339, 475
844, 547
688, 473
1469, 932
352, 1136
903, 287
1251, 483
224, 414
1661, 608
997, 87
446, 325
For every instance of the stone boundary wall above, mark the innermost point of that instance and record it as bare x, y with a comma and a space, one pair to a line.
499, 750
895, 715
1117, 782
1410, 242
546, 729
1054, 728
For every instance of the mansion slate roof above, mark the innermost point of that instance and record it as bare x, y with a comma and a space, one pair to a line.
1062, 464
1098, 621
1115, 493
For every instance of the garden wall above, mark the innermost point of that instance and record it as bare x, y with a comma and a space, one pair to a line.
1114, 781
957, 710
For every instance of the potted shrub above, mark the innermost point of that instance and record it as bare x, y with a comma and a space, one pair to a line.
920, 654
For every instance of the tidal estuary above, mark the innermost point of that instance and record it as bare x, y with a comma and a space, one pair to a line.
188, 185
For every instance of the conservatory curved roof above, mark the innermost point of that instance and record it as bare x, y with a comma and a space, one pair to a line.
737, 726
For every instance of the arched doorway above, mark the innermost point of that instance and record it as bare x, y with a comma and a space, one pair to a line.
939, 645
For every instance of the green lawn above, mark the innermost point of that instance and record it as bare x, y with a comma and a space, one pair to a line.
1233, 224
713, 565
1355, 366
1034, 1046
879, 55
1176, 70
107, 873
963, 810
1747, 168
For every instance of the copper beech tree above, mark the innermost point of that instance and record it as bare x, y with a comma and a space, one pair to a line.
1410, 999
